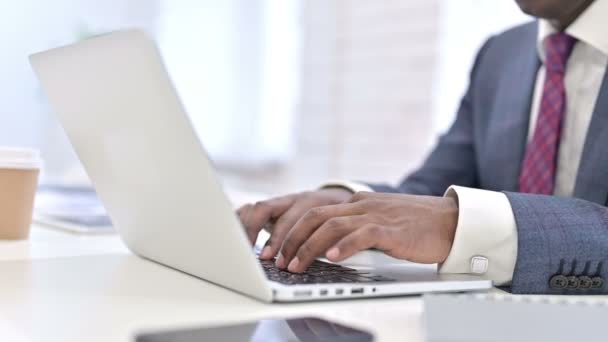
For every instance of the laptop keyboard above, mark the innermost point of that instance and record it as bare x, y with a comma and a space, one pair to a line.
320, 273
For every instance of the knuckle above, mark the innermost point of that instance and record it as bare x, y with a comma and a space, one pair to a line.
244, 208
284, 224
357, 196
374, 230
287, 246
261, 205
361, 195
334, 223
372, 202
314, 213
274, 240
304, 194
305, 251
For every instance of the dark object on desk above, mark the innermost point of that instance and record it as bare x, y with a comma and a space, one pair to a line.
280, 330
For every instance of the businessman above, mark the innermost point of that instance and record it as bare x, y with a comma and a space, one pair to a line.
516, 189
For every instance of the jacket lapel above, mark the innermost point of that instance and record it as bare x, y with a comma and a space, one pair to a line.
516, 97
592, 178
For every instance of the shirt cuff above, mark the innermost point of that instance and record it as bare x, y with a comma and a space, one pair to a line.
486, 235
348, 185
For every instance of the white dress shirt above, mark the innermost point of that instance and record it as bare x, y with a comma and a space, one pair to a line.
486, 234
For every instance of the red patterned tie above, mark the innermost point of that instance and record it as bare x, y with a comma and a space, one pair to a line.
540, 162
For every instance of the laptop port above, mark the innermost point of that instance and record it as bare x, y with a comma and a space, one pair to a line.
323, 292
339, 292
358, 290
302, 293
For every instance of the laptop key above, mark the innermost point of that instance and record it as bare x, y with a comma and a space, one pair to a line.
319, 273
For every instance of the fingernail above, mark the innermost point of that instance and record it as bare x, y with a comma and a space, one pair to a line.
280, 263
333, 253
293, 264
266, 253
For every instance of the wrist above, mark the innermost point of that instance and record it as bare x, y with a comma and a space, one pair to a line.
449, 223
336, 194
486, 228
351, 186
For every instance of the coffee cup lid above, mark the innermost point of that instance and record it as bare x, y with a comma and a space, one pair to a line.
19, 158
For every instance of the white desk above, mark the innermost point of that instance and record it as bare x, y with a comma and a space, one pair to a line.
63, 287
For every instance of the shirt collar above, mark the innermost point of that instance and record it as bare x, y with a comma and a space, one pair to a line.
586, 28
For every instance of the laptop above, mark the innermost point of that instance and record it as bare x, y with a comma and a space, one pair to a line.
122, 114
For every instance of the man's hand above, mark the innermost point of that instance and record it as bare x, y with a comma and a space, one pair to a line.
416, 228
279, 215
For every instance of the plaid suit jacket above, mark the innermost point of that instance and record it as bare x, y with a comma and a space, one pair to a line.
484, 148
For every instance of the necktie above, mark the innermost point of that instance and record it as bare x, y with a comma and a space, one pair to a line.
540, 161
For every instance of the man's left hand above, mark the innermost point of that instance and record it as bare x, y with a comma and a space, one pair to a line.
416, 228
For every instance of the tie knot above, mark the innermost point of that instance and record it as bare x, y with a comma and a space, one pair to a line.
558, 47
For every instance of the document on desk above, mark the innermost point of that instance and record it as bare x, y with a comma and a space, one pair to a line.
494, 317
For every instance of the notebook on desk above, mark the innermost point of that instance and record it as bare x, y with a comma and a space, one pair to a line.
75, 209
492, 317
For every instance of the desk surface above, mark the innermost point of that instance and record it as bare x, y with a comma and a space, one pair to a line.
59, 286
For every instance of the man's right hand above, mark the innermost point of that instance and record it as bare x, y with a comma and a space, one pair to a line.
278, 215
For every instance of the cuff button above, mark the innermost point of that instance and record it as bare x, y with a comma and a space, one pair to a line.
558, 282
584, 282
479, 265
597, 282
573, 282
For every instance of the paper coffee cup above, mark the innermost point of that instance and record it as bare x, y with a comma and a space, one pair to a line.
19, 170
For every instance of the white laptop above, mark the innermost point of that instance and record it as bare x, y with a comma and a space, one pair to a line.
122, 114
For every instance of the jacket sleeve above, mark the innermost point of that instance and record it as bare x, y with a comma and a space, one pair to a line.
562, 245
452, 162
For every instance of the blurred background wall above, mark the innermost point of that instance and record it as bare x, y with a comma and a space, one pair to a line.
283, 93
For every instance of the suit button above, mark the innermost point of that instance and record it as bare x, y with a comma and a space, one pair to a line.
597, 282
573, 282
584, 282
558, 282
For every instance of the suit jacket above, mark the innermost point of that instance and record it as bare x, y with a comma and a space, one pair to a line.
562, 242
